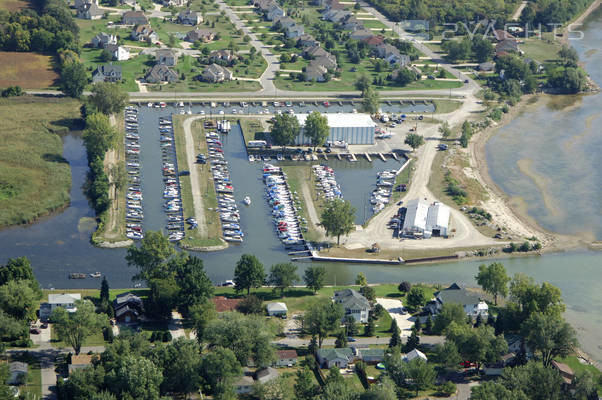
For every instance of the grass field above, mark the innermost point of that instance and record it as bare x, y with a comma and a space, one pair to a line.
34, 177
28, 70
208, 235
446, 106
13, 5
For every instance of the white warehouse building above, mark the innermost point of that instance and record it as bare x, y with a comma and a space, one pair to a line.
426, 220
349, 128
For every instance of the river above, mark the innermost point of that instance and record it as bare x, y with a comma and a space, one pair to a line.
59, 244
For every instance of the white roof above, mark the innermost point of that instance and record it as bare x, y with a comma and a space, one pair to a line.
277, 307
415, 354
438, 215
63, 298
417, 211
343, 120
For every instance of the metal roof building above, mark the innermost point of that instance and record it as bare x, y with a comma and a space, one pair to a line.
437, 219
415, 220
424, 219
350, 128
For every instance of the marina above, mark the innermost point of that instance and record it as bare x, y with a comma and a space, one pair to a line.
134, 210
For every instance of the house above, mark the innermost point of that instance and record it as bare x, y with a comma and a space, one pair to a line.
307, 40
371, 356
354, 304
128, 299
327, 61
102, 40
223, 304
224, 55
64, 300
127, 315
285, 358
216, 73
144, 33
390, 53
283, 22
315, 72
414, 354
80, 361
472, 303
244, 385
89, 11
506, 46
107, 73
374, 40
277, 309
486, 66
336, 15
317, 52
118, 53
266, 374
496, 369
566, 373
273, 12
134, 18
175, 3
328, 358
18, 373
352, 24
161, 73
198, 34
166, 57
189, 17
78, 3
294, 31
363, 34
501, 35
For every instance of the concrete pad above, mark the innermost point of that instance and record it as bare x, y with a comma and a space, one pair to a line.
394, 307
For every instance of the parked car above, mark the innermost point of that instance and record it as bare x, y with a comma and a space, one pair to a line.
35, 331
44, 325
351, 339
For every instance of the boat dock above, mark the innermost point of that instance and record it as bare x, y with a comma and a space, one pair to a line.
339, 156
395, 156
382, 157
316, 257
368, 157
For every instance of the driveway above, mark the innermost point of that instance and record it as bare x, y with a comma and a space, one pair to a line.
405, 322
175, 326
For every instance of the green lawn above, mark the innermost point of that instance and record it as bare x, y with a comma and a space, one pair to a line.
32, 389
446, 106
576, 366
34, 177
544, 51
230, 86
95, 340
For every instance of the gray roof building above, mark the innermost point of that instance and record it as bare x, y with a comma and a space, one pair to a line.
161, 73
107, 73
134, 18
190, 17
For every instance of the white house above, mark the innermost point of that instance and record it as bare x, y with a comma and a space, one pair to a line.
277, 309
119, 53
65, 300
285, 358
471, 302
244, 385
354, 304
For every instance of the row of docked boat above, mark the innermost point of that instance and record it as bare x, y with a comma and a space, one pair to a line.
134, 212
287, 223
171, 191
326, 184
226, 203
384, 186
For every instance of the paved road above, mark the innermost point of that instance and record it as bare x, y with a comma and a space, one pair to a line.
293, 341
193, 167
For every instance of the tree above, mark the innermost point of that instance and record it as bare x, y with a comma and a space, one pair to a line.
419, 374
478, 345
314, 277
569, 55
73, 79
369, 328
104, 290
567, 79
351, 328
250, 305
405, 75
108, 97
428, 328
531, 298
150, 256
285, 129
368, 292
360, 279
395, 340
74, 327
338, 218
218, 368
414, 140
316, 128
493, 279
490, 390
341, 340
481, 48
16, 269
447, 354
248, 336
338, 390
534, 382
200, 316
248, 273
457, 50
370, 100
99, 135
194, 284
467, 133
362, 83
282, 276
324, 317
383, 391
445, 129
549, 335
404, 287
416, 298
412, 342
163, 297
305, 389
19, 300
181, 364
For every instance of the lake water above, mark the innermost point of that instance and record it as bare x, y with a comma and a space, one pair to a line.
60, 244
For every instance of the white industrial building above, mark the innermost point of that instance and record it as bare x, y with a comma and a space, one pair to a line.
426, 220
349, 128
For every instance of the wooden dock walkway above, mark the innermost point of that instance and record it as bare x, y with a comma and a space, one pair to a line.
382, 157
395, 156
368, 157
339, 156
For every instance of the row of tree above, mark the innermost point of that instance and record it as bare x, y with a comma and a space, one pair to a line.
286, 128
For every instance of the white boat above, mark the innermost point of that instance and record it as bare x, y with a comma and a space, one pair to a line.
247, 200
251, 158
95, 274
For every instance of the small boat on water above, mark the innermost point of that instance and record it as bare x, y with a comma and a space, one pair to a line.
247, 200
96, 274
251, 158
77, 275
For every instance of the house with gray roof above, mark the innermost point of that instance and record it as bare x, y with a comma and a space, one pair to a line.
414, 354
361, 34
102, 40
471, 302
89, 11
144, 33
315, 72
283, 22
18, 373
307, 40
134, 18
371, 356
64, 300
266, 374
336, 15
294, 31
107, 73
161, 73
189, 17
274, 12
198, 34
354, 304
327, 61
166, 57
216, 73
277, 309
244, 384
223, 55
340, 358
118, 53
351, 23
